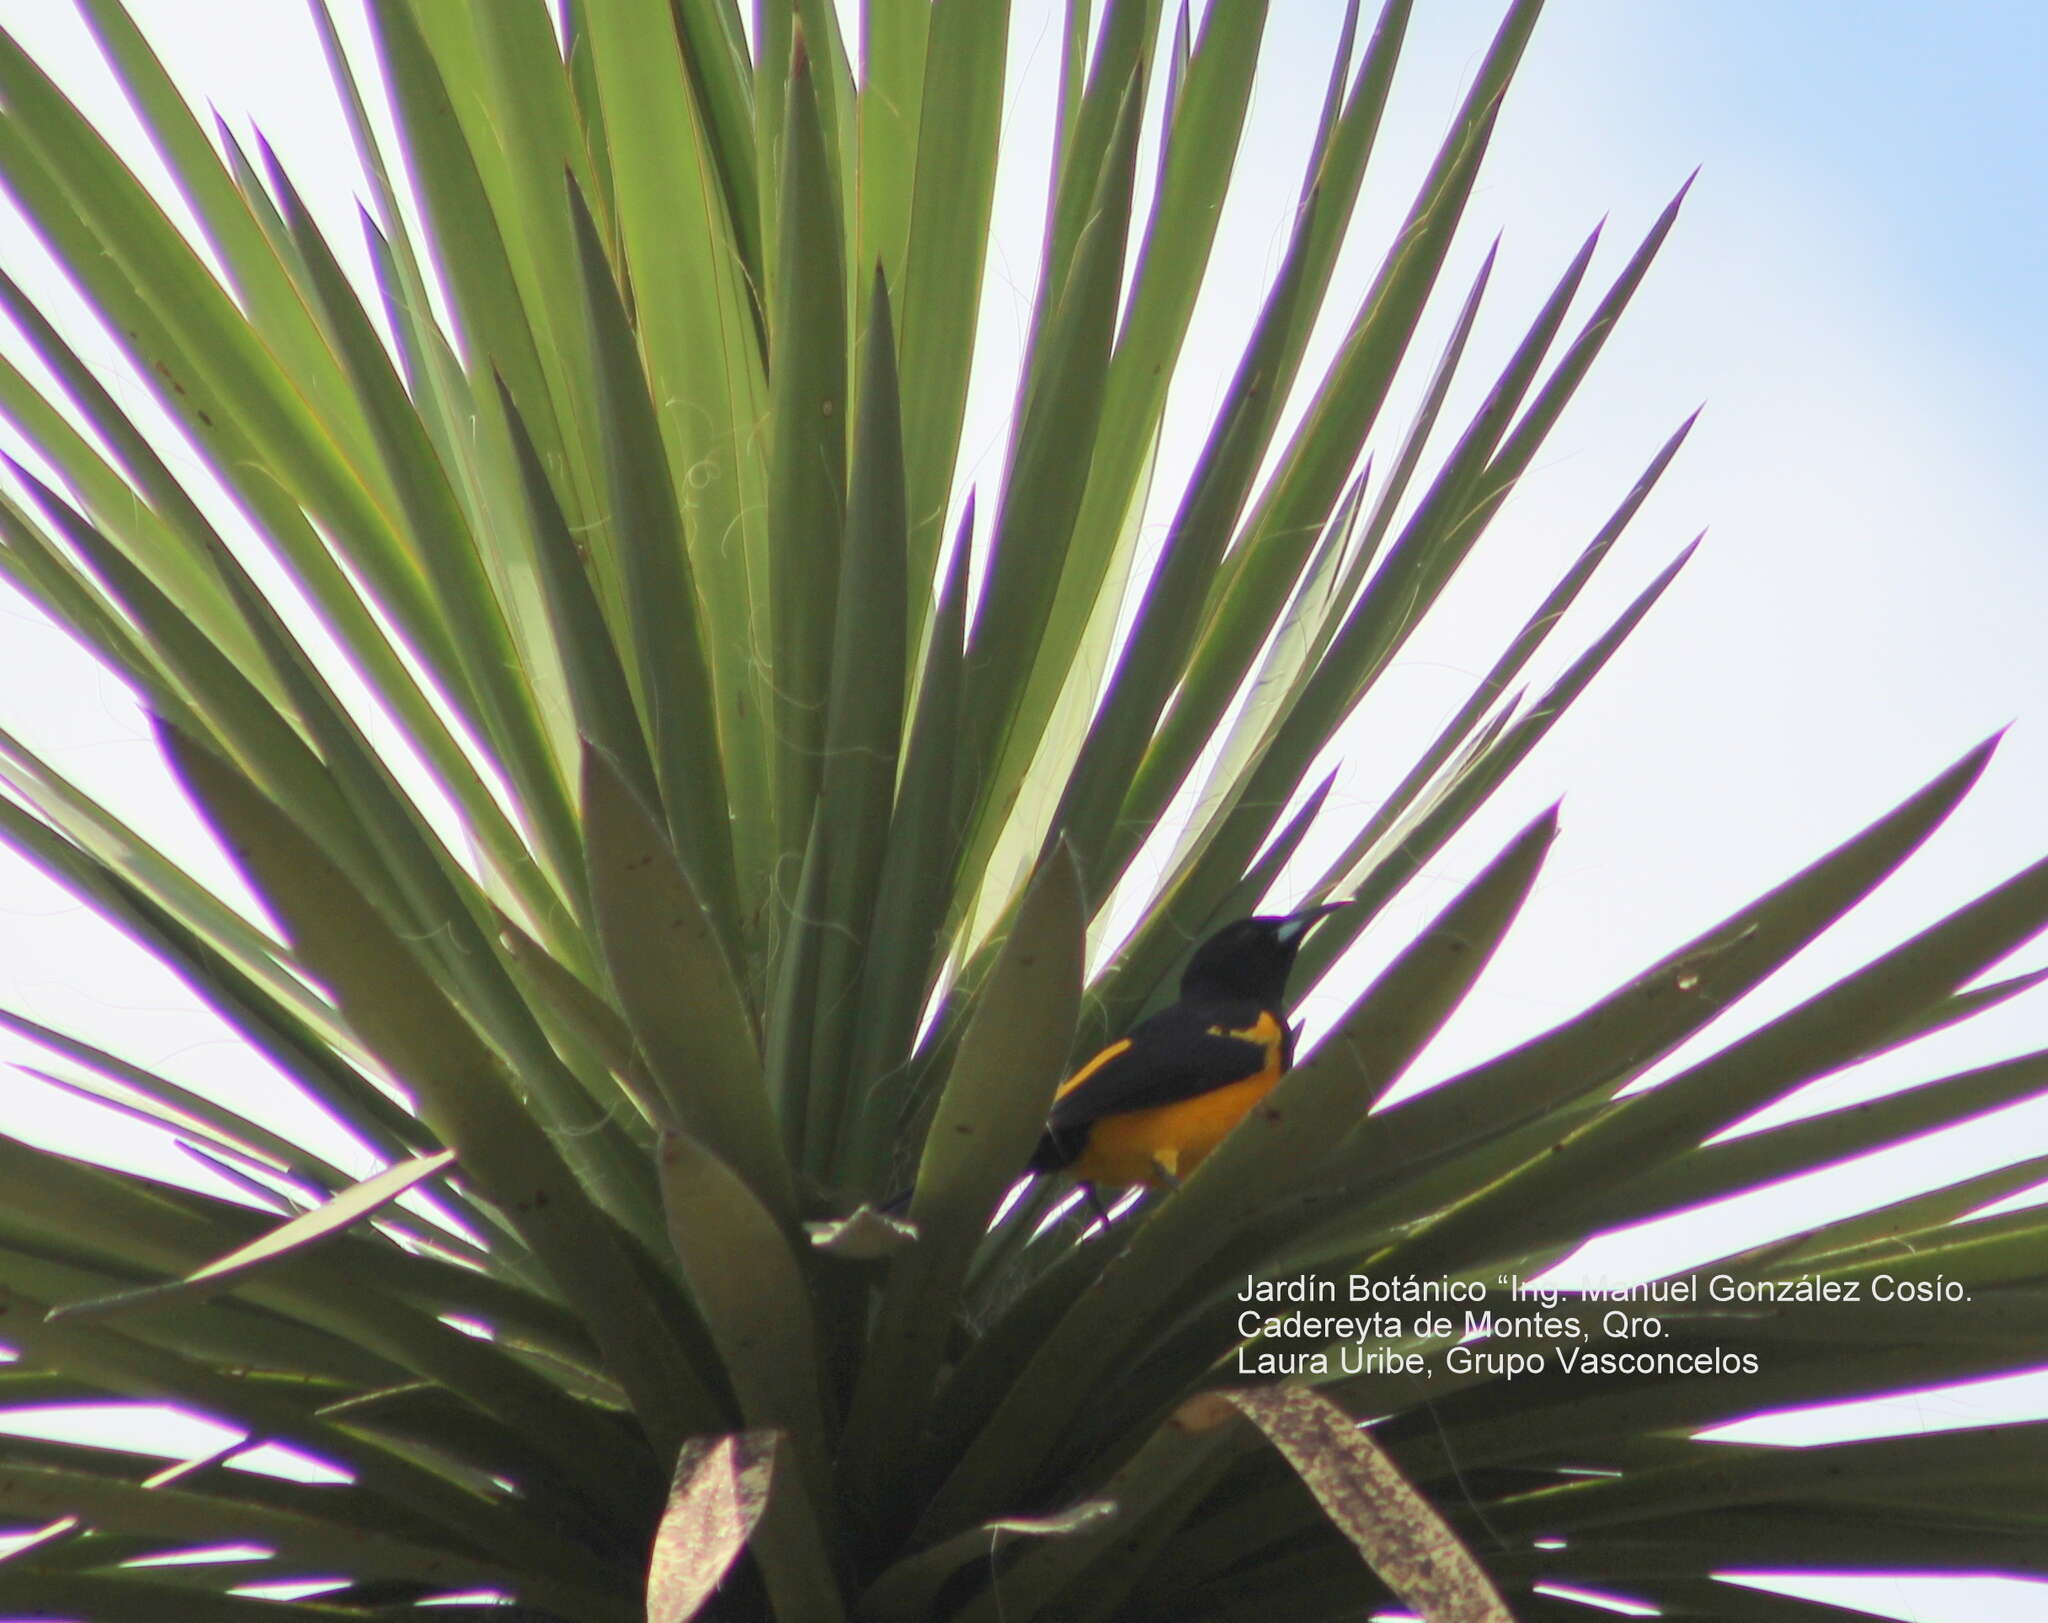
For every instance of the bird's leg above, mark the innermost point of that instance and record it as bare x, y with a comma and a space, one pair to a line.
1095, 1201
1166, 1175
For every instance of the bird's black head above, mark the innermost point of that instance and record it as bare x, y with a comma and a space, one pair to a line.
1250, 959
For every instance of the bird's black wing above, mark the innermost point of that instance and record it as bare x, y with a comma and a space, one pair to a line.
1174, 1055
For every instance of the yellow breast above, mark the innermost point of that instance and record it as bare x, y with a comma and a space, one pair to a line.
1137, 1145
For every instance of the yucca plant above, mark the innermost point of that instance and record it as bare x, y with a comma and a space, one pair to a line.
677, 809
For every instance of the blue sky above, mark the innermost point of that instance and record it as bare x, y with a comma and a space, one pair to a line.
1856, 293
1923, 124
1865, 604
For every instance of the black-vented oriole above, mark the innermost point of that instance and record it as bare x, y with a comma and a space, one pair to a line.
1151, 1105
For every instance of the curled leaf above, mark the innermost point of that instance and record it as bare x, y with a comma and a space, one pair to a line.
867, 1236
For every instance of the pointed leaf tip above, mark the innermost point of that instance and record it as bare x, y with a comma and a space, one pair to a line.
1678, 197
1980, 757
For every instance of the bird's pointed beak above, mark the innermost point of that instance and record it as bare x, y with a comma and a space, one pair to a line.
1297, 925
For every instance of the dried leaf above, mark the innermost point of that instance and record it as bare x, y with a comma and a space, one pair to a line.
717, 1496
1396, 1529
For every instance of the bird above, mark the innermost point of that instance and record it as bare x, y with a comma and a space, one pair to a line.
1153, 1104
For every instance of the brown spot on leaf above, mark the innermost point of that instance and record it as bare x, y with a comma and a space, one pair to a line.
1203, 1412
